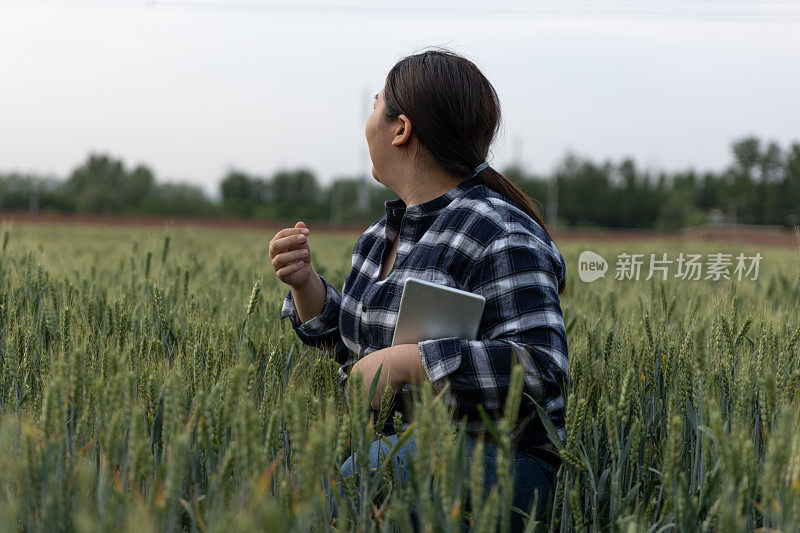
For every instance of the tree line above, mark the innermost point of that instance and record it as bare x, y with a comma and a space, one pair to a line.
761, 185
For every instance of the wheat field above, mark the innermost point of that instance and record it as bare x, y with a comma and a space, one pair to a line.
147, 383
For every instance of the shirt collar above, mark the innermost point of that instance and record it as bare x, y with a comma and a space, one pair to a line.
397, 207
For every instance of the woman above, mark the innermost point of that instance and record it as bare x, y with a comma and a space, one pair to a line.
458, 222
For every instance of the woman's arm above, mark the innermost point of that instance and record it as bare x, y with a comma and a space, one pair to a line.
401, 364
321, 330
309, 298
522, 323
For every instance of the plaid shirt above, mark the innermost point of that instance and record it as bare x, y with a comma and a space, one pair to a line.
470, 238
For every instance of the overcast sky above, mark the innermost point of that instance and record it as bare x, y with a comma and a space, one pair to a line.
194, 88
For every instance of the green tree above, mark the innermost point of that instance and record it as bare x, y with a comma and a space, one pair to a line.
178, 199
294, 194
97, 184
139, 185
789, 187
238, 194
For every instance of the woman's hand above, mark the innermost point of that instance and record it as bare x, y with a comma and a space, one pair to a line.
401, 364
290, 255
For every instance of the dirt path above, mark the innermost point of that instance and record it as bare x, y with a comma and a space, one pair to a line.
755, 235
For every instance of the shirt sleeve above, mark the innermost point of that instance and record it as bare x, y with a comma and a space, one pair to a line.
522, 320
321, 331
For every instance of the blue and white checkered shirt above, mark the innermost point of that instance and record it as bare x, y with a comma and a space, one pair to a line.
471, 238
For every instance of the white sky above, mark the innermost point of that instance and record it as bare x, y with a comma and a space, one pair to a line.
194, 88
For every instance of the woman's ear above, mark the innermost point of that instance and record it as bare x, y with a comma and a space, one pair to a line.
402, 132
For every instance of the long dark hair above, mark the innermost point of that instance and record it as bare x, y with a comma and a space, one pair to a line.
455, 114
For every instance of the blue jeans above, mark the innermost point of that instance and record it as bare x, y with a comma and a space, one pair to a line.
531, 473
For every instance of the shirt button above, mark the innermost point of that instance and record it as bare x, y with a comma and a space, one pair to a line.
363, 308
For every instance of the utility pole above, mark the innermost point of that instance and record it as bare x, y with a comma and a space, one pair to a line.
363, 189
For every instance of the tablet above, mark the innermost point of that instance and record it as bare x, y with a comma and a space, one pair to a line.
431, 311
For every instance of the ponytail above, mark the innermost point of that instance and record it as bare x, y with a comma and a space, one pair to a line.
502, 185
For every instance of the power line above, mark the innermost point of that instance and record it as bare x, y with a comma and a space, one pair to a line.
710, 11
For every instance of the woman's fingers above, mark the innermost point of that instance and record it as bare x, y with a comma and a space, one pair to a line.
281, 260
289, 231
290, 269
282, 244
289, 252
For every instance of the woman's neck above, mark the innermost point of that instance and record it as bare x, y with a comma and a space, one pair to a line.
419, 188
